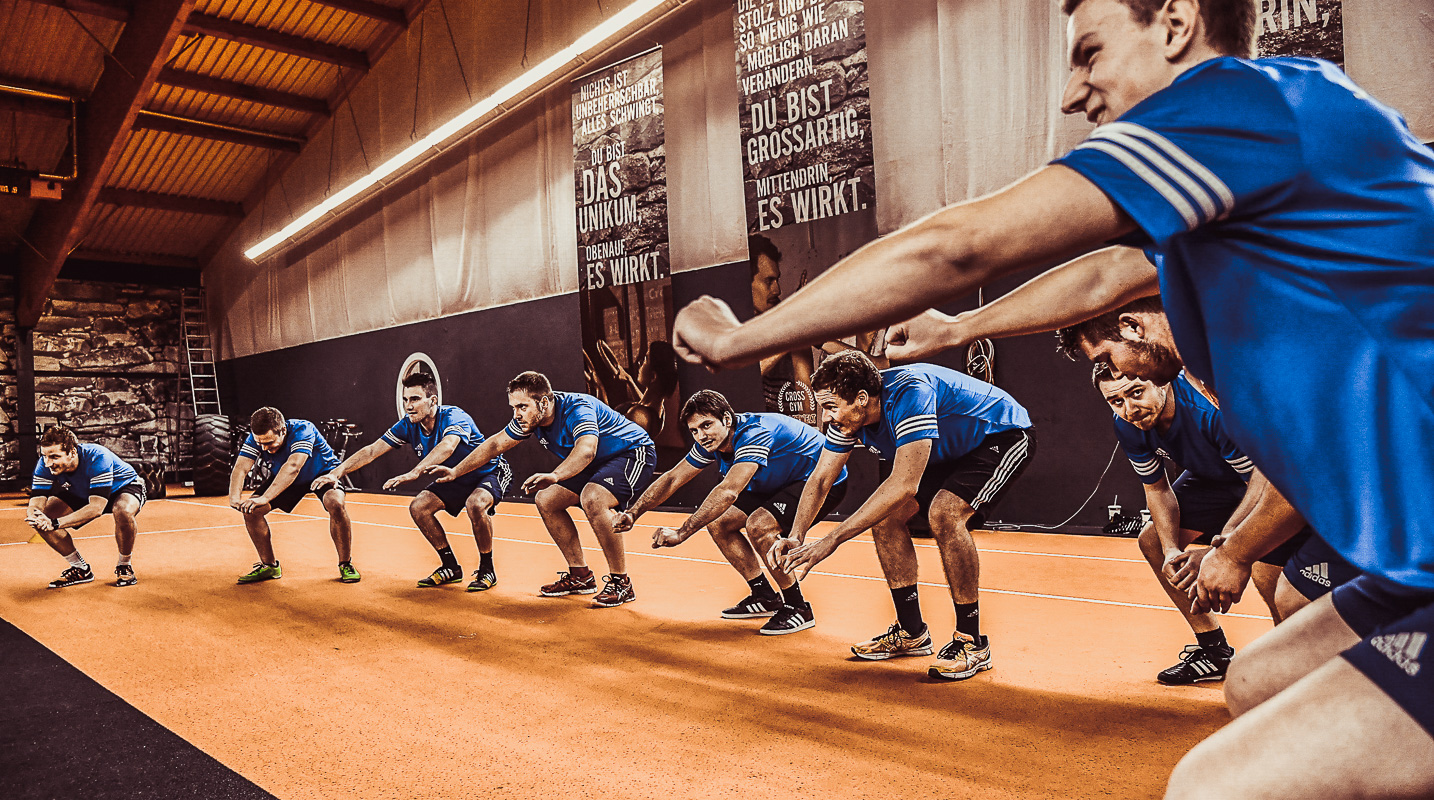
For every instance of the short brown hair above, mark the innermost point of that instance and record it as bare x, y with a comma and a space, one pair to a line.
1100, 373
1229, 24
423, 379
62, 436
1103, 328
534, 383
846, 374
266, 420
708, 402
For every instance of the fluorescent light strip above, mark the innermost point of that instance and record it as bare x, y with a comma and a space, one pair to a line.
616, 24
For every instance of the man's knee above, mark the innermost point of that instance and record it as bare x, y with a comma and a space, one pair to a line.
420, 507
949, 514
596, 500
553, 499
478, 504
335, 505
1195, 776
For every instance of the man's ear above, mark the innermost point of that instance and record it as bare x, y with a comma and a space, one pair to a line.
1132, 328
1182, 23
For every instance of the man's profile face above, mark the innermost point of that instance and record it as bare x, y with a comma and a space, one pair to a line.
1115, 61
708, 431
845, 417
418, 404
1134, 356
528, 410
59, 460
273, 440
766, 284
1134, 400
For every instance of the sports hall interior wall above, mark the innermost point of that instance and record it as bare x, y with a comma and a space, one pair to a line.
106, 361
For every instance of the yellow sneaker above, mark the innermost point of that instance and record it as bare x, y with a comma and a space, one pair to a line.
895, 642
961, 658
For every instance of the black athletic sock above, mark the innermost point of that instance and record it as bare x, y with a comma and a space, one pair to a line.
449, 560
792, 595
761, 587
580, 572
968, 620
485, 562
1212, 639
908, 609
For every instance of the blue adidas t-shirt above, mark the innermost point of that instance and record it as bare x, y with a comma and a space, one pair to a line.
924, 401
579, 415
784, 449
100, 472
1196, 441
450, 421
1292, 217
303, 437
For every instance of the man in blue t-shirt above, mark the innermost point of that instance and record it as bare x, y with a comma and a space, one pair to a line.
1290, 215
442, 435
956, 444
294, 454
764, 460
607, 460
73, 485
1175, 421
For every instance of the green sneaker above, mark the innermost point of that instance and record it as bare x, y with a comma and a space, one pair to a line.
263, 572
347, 573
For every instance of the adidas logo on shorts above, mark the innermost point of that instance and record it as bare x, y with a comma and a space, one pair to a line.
1402, 648
1319, 573
608, 481
782, 507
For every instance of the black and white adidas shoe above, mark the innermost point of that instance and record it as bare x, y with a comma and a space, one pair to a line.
1198, 664
753, 606
789, 619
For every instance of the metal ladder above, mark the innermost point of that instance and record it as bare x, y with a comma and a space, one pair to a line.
199, 382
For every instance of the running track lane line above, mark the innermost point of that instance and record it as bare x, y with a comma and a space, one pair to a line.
848, 576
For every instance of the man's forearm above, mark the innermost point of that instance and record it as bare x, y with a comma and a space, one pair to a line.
282, 481
362, 458
876, 508
660, 490
715, 505
1272, 523
1071, 293
437, 455
574, 464
1047, 218
814, 494
481, 455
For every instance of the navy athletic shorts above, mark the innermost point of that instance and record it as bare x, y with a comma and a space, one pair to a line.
982, 476
1206, 505
75, 502
1396, 622
455, 493
626, 475
1315, 569
782, 504
289, 499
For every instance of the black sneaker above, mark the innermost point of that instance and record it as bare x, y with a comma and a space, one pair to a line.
789, 619
124, 575
1198, 664
753, 606
72, 576
483, 580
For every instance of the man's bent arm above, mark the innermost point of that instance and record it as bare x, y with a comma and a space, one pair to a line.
1271, 522
1165, 513
285, 477
584, 451
901, 485
814, 493
88, 512
721, 498
1074, 292
494, 446
242, 465
1046, 218
361, 459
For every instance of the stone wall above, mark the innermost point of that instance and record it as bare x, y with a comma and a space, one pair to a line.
107, 363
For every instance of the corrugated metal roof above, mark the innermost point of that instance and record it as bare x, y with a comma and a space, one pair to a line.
228, 111
139, 231
45, 45
155, 161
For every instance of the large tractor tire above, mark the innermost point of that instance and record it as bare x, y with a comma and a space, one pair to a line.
153, 476
212, 462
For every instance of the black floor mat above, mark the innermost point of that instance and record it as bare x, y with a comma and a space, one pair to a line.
64, 735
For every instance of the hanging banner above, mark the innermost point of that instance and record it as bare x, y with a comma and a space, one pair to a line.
807, 164
1301, 28
805, 110
624, 282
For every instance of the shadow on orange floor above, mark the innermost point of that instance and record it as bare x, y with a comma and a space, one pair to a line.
316, 689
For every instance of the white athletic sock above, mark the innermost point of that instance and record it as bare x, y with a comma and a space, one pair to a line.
76, 560
124, 560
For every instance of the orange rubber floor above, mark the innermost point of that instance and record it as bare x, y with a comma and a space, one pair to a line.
316, 689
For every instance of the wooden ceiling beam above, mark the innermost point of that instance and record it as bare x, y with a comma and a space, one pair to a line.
132, 198
117, 10
368, 8
169, 123
274, 40
240, 91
